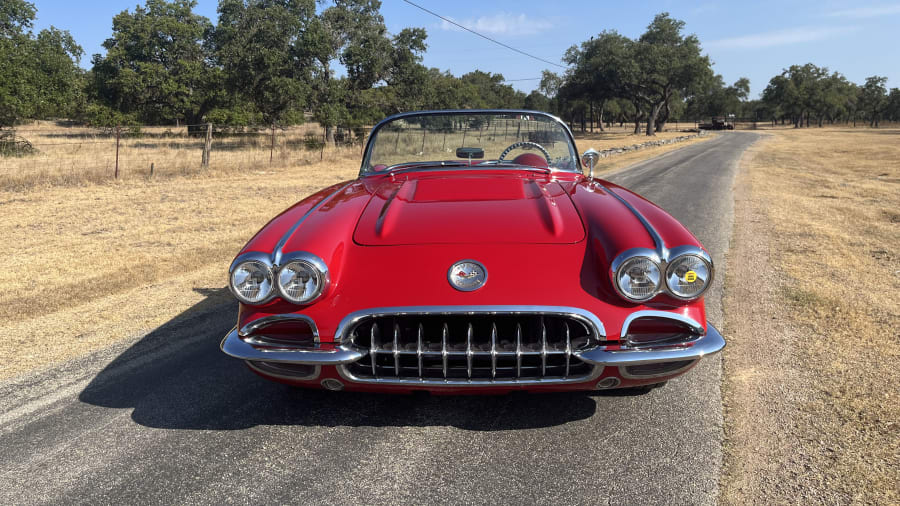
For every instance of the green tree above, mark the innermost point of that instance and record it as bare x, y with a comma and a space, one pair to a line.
39, 75
268, 54
892, 110
601, 69
156, 65
669, 62
873, 98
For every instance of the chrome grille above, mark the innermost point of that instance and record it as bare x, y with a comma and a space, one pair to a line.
472, 347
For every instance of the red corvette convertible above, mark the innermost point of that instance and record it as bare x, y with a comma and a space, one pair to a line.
475, 252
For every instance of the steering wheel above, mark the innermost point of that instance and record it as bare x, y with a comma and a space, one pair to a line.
522, 144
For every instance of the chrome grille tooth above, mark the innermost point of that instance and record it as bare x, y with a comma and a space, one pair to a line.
396, 350
543, 348
444, 332
373, 348
518, 350
469, 352
419, 334
568, 347
493, 350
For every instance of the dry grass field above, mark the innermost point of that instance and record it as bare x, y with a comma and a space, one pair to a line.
812, 386
96, 260
75, 156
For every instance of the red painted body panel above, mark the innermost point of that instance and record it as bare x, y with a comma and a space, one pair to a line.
364, 277
671, 230
447, 208
544, 240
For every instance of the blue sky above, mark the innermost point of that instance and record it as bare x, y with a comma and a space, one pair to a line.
743, 39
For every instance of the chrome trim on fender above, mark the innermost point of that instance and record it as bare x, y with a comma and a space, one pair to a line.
236, 347
277, 252
265, 321
661, 250
707, 344
692, 323
351, 319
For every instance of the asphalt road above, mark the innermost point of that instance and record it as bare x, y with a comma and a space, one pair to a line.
166, 418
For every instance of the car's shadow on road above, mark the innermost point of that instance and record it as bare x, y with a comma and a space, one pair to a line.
177, 378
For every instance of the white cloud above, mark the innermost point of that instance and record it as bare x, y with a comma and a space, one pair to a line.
796, 35
866, 12
501, 24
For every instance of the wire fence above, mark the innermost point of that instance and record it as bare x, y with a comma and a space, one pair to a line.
60, 151
56, 150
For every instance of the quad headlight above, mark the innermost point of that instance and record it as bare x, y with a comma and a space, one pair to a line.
688, 276
638, 278
640, 274
301, 281
252, 281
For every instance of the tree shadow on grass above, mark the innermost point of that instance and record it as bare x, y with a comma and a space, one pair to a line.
177, 378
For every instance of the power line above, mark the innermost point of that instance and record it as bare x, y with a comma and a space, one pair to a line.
523, 79
484, 36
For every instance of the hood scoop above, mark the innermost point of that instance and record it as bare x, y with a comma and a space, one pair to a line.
470, 209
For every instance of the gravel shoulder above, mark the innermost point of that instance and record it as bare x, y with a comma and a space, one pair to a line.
812, 368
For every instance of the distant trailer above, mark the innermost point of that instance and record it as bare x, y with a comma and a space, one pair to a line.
718, 123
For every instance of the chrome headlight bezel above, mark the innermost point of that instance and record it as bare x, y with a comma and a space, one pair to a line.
625, 259
663, 263
264, 262
313, 264
274, 275
688, 251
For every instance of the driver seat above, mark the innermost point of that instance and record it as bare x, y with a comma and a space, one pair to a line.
536, 161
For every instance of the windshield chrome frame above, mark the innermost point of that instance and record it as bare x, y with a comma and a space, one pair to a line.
471, 112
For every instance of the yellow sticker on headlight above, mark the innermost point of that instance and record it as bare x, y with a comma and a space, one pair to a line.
690, 276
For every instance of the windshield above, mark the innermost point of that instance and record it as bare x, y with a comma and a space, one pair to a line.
471, 138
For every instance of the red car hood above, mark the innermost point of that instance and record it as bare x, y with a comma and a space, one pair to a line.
510, 208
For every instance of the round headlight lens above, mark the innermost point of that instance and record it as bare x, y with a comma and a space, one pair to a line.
688, 276
300, 282
638, 278
251, 281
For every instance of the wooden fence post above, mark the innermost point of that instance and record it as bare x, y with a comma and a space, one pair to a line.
207, 146
272, 147
118, 128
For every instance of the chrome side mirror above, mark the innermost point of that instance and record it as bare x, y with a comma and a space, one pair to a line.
589, 158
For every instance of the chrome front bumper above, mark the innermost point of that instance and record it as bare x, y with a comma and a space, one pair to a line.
236, 347
709, 343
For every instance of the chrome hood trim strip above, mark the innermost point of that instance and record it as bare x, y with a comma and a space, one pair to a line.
277, 253
657, 239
